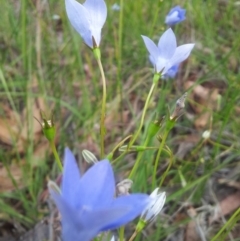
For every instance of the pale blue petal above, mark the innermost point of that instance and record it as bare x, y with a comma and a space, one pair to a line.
101, 218
83, 225
160, 65
97, 185
96, 33
172, 72
167, 44
97, 11
172, 18
68, 213
72, 221
152, 49
71, 178
94, 221
79, 18
182, 52
136, 204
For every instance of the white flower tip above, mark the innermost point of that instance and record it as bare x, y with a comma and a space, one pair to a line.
89, 157
52, 186
113, 238
154, 193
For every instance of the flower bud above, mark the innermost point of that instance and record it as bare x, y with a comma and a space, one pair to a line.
176, 15
48, 127
152, 210
89, 157
180, 105
113, 238
123, 187
206, 134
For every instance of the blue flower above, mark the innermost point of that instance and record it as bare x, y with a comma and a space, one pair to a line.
172, 72
176, 15
87, 203
87, 19
166, 54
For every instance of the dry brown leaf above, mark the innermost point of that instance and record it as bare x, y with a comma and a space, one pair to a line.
191, 233
9, 134
6, 184
194, 227
116, 117
39, 153
230, 183
227, 206
204, 102
186, 144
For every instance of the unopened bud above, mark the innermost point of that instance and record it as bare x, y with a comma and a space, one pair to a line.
180, 105
48, 126
124, 186
113, 238
206, 134
153, 209
89, 157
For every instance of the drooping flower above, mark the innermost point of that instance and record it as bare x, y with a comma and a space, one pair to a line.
87, 203
87, 19
166, 54
176, 15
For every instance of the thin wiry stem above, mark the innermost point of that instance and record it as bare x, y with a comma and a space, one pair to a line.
139, 157
55, 153
103, 110
143, 115
133, 236
165, 135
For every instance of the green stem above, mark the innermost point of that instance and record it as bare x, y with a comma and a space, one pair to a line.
139, 157
24, 32
166, 172
121, 234
54, 150
165, 135
225, 226
119, 58
103, 110
143, 115
155, 18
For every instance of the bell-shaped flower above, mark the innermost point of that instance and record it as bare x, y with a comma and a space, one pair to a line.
87, 19
87, 203
176, 15
166, 54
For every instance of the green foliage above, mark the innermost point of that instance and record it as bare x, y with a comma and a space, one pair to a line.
39, 48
